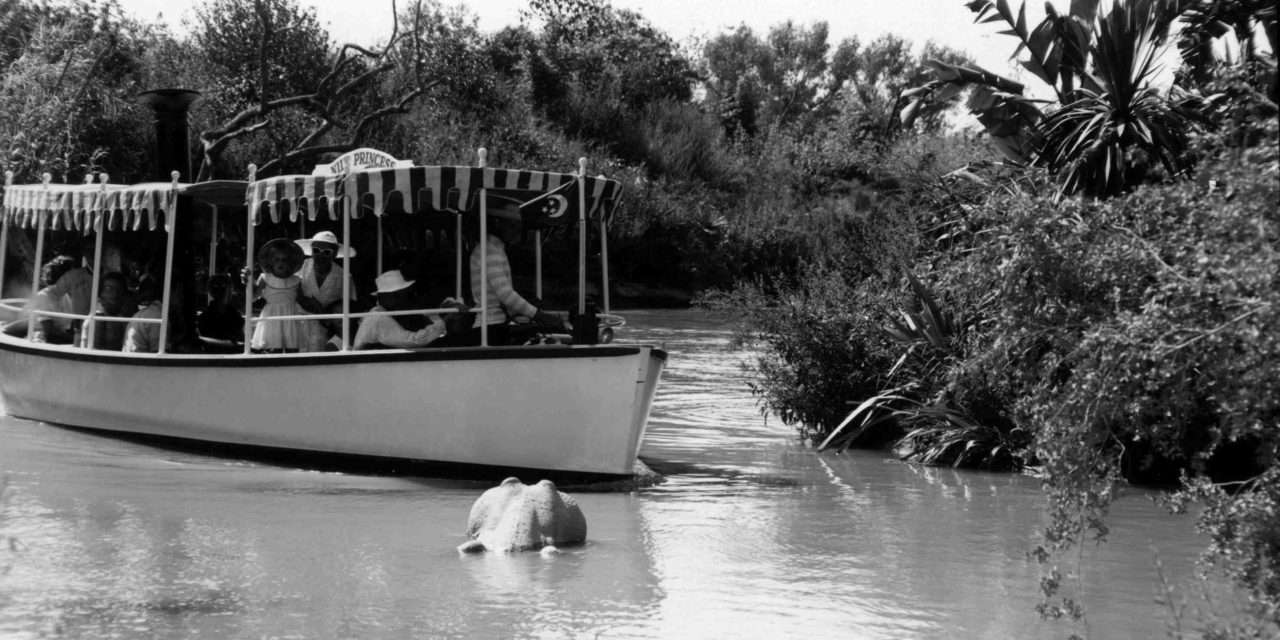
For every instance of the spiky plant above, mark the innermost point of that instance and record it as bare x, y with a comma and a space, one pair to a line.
1103, 139
1110, 124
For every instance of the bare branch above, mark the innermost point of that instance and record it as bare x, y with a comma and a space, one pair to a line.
338, 67
327, 103
402, 106
395, 27
371, 53
215, 146
417, 39
358, 80
325, 127
256, 111
306, 148
264, 17
297, 154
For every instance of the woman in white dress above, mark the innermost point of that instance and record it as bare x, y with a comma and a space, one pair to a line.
322, 284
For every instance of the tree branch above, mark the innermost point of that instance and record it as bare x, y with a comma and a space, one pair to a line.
264, 17
256, 111
298, 154
401, 106
216, 146
326, 102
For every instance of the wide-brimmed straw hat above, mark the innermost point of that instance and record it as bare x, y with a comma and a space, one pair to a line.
283, 244
327, 237
392, 281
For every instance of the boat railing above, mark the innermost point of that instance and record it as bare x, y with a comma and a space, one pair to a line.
16, 305
19, 305
84, 316
20, 308
365, 314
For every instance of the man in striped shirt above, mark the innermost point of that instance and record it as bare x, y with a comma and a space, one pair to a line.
502, 301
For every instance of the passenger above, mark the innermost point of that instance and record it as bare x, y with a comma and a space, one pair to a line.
503, 302
50, 297
77, 285
278, 286
394, 294
459, 326
113, 301
322, 287
220, 319
144, 337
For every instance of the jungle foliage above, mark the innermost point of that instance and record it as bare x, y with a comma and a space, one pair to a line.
1095, 308
1087, 288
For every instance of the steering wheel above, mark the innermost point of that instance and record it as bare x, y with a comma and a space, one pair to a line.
611, 320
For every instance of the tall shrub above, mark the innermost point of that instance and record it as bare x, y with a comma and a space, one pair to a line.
68, 93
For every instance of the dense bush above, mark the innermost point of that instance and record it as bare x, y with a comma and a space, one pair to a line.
1130, 339
821, 330
70, 75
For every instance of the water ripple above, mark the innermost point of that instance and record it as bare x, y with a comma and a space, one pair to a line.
752, 535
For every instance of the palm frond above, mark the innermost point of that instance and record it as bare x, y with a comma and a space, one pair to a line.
870, 412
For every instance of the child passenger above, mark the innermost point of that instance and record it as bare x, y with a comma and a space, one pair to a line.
278, 287
113, 301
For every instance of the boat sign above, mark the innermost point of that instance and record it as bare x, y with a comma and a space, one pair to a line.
359, 160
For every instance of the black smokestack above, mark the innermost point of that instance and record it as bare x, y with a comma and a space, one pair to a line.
172, 149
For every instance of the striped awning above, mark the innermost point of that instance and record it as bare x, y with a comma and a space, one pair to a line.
410, 189
86, 206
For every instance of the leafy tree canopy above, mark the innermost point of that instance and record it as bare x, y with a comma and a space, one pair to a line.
606, 48
263, 48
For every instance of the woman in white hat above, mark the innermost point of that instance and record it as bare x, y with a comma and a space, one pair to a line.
322, 285
394, 294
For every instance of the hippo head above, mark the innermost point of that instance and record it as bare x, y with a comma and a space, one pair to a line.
514, 516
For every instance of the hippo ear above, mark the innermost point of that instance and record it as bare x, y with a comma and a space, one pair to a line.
489, 506
471, 546
572, 525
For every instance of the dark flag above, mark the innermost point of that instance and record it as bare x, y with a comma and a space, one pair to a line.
556, 208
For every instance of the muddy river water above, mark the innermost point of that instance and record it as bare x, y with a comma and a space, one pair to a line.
752, 535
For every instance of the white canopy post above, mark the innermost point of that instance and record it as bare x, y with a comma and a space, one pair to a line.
484, 261
457, 243
348, 204
99, 225
604, 261
537, 263
36, 264
378, 215
248, 265
4, 234
165, 299
213, 242
582, 236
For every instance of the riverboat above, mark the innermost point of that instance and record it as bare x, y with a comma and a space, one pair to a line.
562, 406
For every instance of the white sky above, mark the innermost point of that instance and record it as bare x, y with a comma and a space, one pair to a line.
944, 21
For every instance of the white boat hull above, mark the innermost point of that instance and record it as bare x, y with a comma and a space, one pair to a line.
579, 409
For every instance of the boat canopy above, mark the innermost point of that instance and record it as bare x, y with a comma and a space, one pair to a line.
540, 199
84, 207
143, 206
419, 188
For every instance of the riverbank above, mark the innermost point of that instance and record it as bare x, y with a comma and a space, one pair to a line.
754, 535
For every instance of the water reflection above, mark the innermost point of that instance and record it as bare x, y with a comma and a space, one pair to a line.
753, 535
